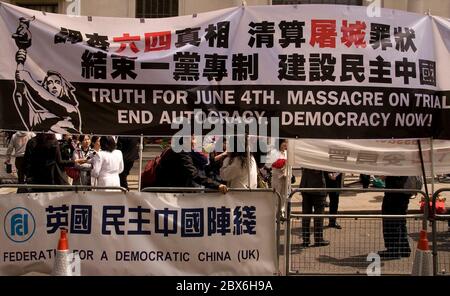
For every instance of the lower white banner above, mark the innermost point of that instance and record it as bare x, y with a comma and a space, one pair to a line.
141, 233
395, 157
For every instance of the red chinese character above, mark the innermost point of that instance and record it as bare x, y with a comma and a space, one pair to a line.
157, 41
353, 34
324, 33
127, 39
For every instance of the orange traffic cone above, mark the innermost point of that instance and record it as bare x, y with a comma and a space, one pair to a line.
423, 260
62, 266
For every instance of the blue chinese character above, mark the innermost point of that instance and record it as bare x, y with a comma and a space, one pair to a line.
81, 217
139, 221
237, 229
192, 222
111, 215
57, 217
166, 228
249, 219
219, 220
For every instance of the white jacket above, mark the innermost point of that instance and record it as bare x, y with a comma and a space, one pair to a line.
106, 167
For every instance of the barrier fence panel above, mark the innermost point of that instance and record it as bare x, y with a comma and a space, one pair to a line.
278, 197
354, 248
144, 233
441, 232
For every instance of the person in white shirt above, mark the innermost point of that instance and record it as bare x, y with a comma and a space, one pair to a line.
107, 163
18, 143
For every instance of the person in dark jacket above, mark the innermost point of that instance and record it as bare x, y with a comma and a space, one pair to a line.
177, 169
130, 151
313, 202
395, 233
44, 164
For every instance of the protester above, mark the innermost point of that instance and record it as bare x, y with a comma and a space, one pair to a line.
130, 151
18, 144
395, 233
43, 162
177, 169
107, 164
313, 202
84, 151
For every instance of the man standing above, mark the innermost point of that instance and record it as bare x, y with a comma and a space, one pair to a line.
395, 233
313, 202
18, 143
130, 151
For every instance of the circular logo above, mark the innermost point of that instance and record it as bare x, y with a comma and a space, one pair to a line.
19, 225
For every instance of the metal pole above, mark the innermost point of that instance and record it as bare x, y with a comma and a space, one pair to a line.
141, 149
427, 202
433, 212
249, 159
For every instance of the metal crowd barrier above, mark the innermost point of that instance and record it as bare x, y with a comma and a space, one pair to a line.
207, 190
352, 248
75, 188
440, 224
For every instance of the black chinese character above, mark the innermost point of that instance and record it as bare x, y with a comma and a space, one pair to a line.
292, 67
93, 65
352, 66
291, 32
381, 71
221, 35
188, 36
68, 36
321, 67
427, 70
123, 66
245, 67
98, 41
186, 66
404, 40
264, 34
380, 35
215, 67
405, 69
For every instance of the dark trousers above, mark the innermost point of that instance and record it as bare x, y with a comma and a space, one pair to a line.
395, 233
334, 205
312, 204
365, 180
127, 166
20, 167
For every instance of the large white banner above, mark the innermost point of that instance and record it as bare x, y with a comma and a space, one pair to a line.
141, 233
310, 71
391, 157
